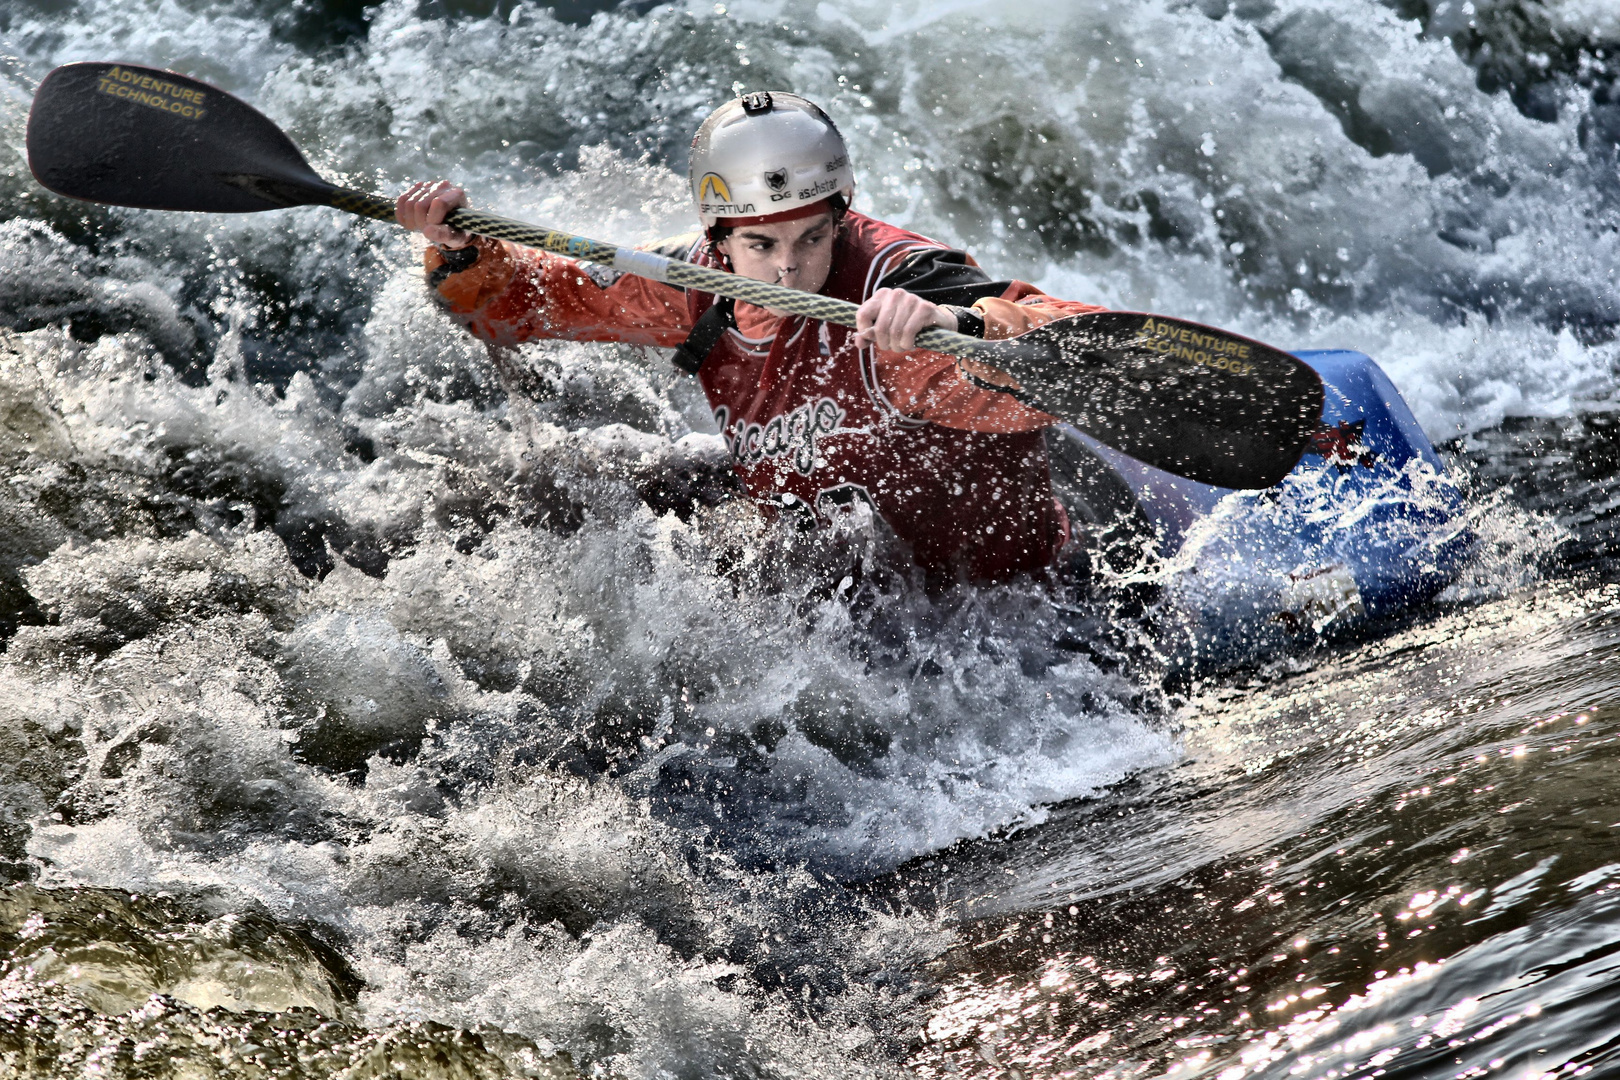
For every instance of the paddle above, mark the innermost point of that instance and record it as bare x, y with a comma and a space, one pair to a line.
1208, 405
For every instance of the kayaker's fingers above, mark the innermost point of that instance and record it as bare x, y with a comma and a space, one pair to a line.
899, 335
405, 211
865, 316
411, 208
874, 319
892, 318
443, 235
922, 316
423, 207
883, 321
445, 199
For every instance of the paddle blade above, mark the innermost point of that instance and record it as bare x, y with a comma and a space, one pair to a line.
1192, 400
138, 136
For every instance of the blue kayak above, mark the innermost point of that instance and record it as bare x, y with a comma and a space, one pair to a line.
1368, 525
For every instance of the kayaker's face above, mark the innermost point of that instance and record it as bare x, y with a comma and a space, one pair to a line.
797, 253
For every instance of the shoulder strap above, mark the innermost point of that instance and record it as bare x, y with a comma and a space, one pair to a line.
706, 333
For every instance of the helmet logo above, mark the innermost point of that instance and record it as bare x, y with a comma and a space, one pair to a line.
713, 186
776, 179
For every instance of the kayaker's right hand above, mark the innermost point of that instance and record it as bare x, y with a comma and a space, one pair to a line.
424, 207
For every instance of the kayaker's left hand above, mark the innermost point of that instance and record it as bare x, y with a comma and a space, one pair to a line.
424, 206
892, 318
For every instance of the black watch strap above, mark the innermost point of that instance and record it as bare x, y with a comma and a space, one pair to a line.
452, 261
459, 259
968, 321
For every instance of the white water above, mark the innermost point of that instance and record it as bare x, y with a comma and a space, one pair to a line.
634, 769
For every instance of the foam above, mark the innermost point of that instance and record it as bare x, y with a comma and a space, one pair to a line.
362, 751
539, 754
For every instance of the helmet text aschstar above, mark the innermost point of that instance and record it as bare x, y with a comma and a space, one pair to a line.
767, 153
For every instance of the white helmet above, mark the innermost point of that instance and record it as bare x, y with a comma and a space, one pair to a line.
766, 154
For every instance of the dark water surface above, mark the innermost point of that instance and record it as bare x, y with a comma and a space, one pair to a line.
371, 707
1402, 861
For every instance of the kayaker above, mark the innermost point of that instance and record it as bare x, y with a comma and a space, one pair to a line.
815, 415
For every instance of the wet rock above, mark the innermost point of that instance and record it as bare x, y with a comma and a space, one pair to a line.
162, 987
115, 950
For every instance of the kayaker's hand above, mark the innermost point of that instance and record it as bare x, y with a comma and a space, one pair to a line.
424, 207
892, 318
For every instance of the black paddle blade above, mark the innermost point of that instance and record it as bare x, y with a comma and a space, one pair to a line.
1188, 399
138, 136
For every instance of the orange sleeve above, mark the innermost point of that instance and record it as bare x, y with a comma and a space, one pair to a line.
928, 385
1022, 308
512, 294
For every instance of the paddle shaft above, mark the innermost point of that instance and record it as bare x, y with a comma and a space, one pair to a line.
647, 264
1190, 399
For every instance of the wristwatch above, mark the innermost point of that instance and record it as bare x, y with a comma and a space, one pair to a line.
458, 259
968, 321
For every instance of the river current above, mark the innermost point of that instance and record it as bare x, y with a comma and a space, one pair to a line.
374, 705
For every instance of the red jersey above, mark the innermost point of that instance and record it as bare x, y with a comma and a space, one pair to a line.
812, 419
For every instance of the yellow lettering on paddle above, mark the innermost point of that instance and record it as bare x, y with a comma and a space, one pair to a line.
1205, 350
157, 94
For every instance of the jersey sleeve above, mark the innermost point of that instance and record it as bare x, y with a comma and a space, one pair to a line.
929, 386
1023, 307
511, 294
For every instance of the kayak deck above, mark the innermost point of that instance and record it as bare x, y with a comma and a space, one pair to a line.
1367, 525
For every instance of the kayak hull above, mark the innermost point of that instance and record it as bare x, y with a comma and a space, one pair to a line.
1367, 525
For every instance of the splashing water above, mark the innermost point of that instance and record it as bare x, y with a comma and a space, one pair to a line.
371, 702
